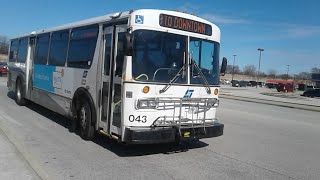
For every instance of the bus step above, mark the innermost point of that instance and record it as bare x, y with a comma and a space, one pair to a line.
109, 135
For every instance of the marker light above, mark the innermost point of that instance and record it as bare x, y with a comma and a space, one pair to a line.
116, 15
146, 89
216, 91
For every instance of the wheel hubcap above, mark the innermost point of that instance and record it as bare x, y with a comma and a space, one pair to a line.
83, 117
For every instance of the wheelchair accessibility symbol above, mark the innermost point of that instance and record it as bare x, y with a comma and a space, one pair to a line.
139, 19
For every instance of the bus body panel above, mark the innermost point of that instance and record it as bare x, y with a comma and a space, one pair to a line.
58, 84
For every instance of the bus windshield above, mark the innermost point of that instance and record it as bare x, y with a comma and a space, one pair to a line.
158, 56
205, 55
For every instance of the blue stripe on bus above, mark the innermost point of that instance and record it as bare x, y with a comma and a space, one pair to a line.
43, 77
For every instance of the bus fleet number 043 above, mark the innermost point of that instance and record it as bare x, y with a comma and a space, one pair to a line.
142, 119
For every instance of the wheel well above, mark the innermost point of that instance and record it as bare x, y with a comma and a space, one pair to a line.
83, 94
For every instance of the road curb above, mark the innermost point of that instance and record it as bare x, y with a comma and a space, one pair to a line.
24, 153
273, 102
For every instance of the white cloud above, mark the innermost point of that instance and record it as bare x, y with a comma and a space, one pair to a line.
303, 31
187, 7
224, 19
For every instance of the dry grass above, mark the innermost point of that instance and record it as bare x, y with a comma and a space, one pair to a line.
3, 57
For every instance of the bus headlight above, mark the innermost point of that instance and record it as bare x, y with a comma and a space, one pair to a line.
147, 104
214, 102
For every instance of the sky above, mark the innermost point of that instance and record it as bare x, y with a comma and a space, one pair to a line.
287, 30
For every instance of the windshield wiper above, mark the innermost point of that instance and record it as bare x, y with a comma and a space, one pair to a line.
165, 88
207, 86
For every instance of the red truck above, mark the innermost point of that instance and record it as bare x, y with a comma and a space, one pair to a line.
3, 68
286, 88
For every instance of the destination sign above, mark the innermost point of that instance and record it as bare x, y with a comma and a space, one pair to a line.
184, 24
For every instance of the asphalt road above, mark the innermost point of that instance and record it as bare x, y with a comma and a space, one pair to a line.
260, 142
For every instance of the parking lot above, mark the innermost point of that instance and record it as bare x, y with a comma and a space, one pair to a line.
269, 94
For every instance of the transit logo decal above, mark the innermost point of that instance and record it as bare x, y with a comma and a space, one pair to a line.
139, 19
188, 93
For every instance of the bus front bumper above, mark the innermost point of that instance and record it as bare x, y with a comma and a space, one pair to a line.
172, 134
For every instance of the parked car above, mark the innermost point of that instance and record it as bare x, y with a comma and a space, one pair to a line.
224, 81
270, 85
235, 83
312, 93
310, 87
253, 83
3, 68
286, 88
243, 83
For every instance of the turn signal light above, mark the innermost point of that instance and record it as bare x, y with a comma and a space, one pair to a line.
146, 89
216, 91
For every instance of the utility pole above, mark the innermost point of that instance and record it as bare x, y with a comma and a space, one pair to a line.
258, 75
234, 59
288, 67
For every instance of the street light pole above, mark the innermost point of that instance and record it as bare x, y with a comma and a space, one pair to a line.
258, 75
234, 59
288, 71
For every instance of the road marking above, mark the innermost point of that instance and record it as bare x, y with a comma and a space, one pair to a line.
34, 164
5, 116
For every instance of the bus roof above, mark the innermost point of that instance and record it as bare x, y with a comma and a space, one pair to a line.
114, 17
95, 20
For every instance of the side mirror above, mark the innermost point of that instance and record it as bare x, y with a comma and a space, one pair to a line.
129, 44
223, 66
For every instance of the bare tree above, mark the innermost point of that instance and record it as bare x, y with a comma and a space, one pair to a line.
249, 70
263, 74
230, 69
4, 45
272, 73
315, 70
303, 76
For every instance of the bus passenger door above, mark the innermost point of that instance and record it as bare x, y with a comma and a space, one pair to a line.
114, 44
29, 66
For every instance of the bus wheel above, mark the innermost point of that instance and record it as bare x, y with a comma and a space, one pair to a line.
19, 94
85, 118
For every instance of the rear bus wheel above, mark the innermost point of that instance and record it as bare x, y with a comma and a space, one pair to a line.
20, 100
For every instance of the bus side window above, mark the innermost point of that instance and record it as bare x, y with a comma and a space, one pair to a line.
58, 48
83, 43
42, 47
22, 50
14, 50
121, 45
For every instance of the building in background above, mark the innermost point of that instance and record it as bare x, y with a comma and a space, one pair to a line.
315, 77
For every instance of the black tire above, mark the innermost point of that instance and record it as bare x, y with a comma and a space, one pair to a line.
87, 131
20, 100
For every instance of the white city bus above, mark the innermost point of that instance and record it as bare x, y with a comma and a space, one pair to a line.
143, 76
